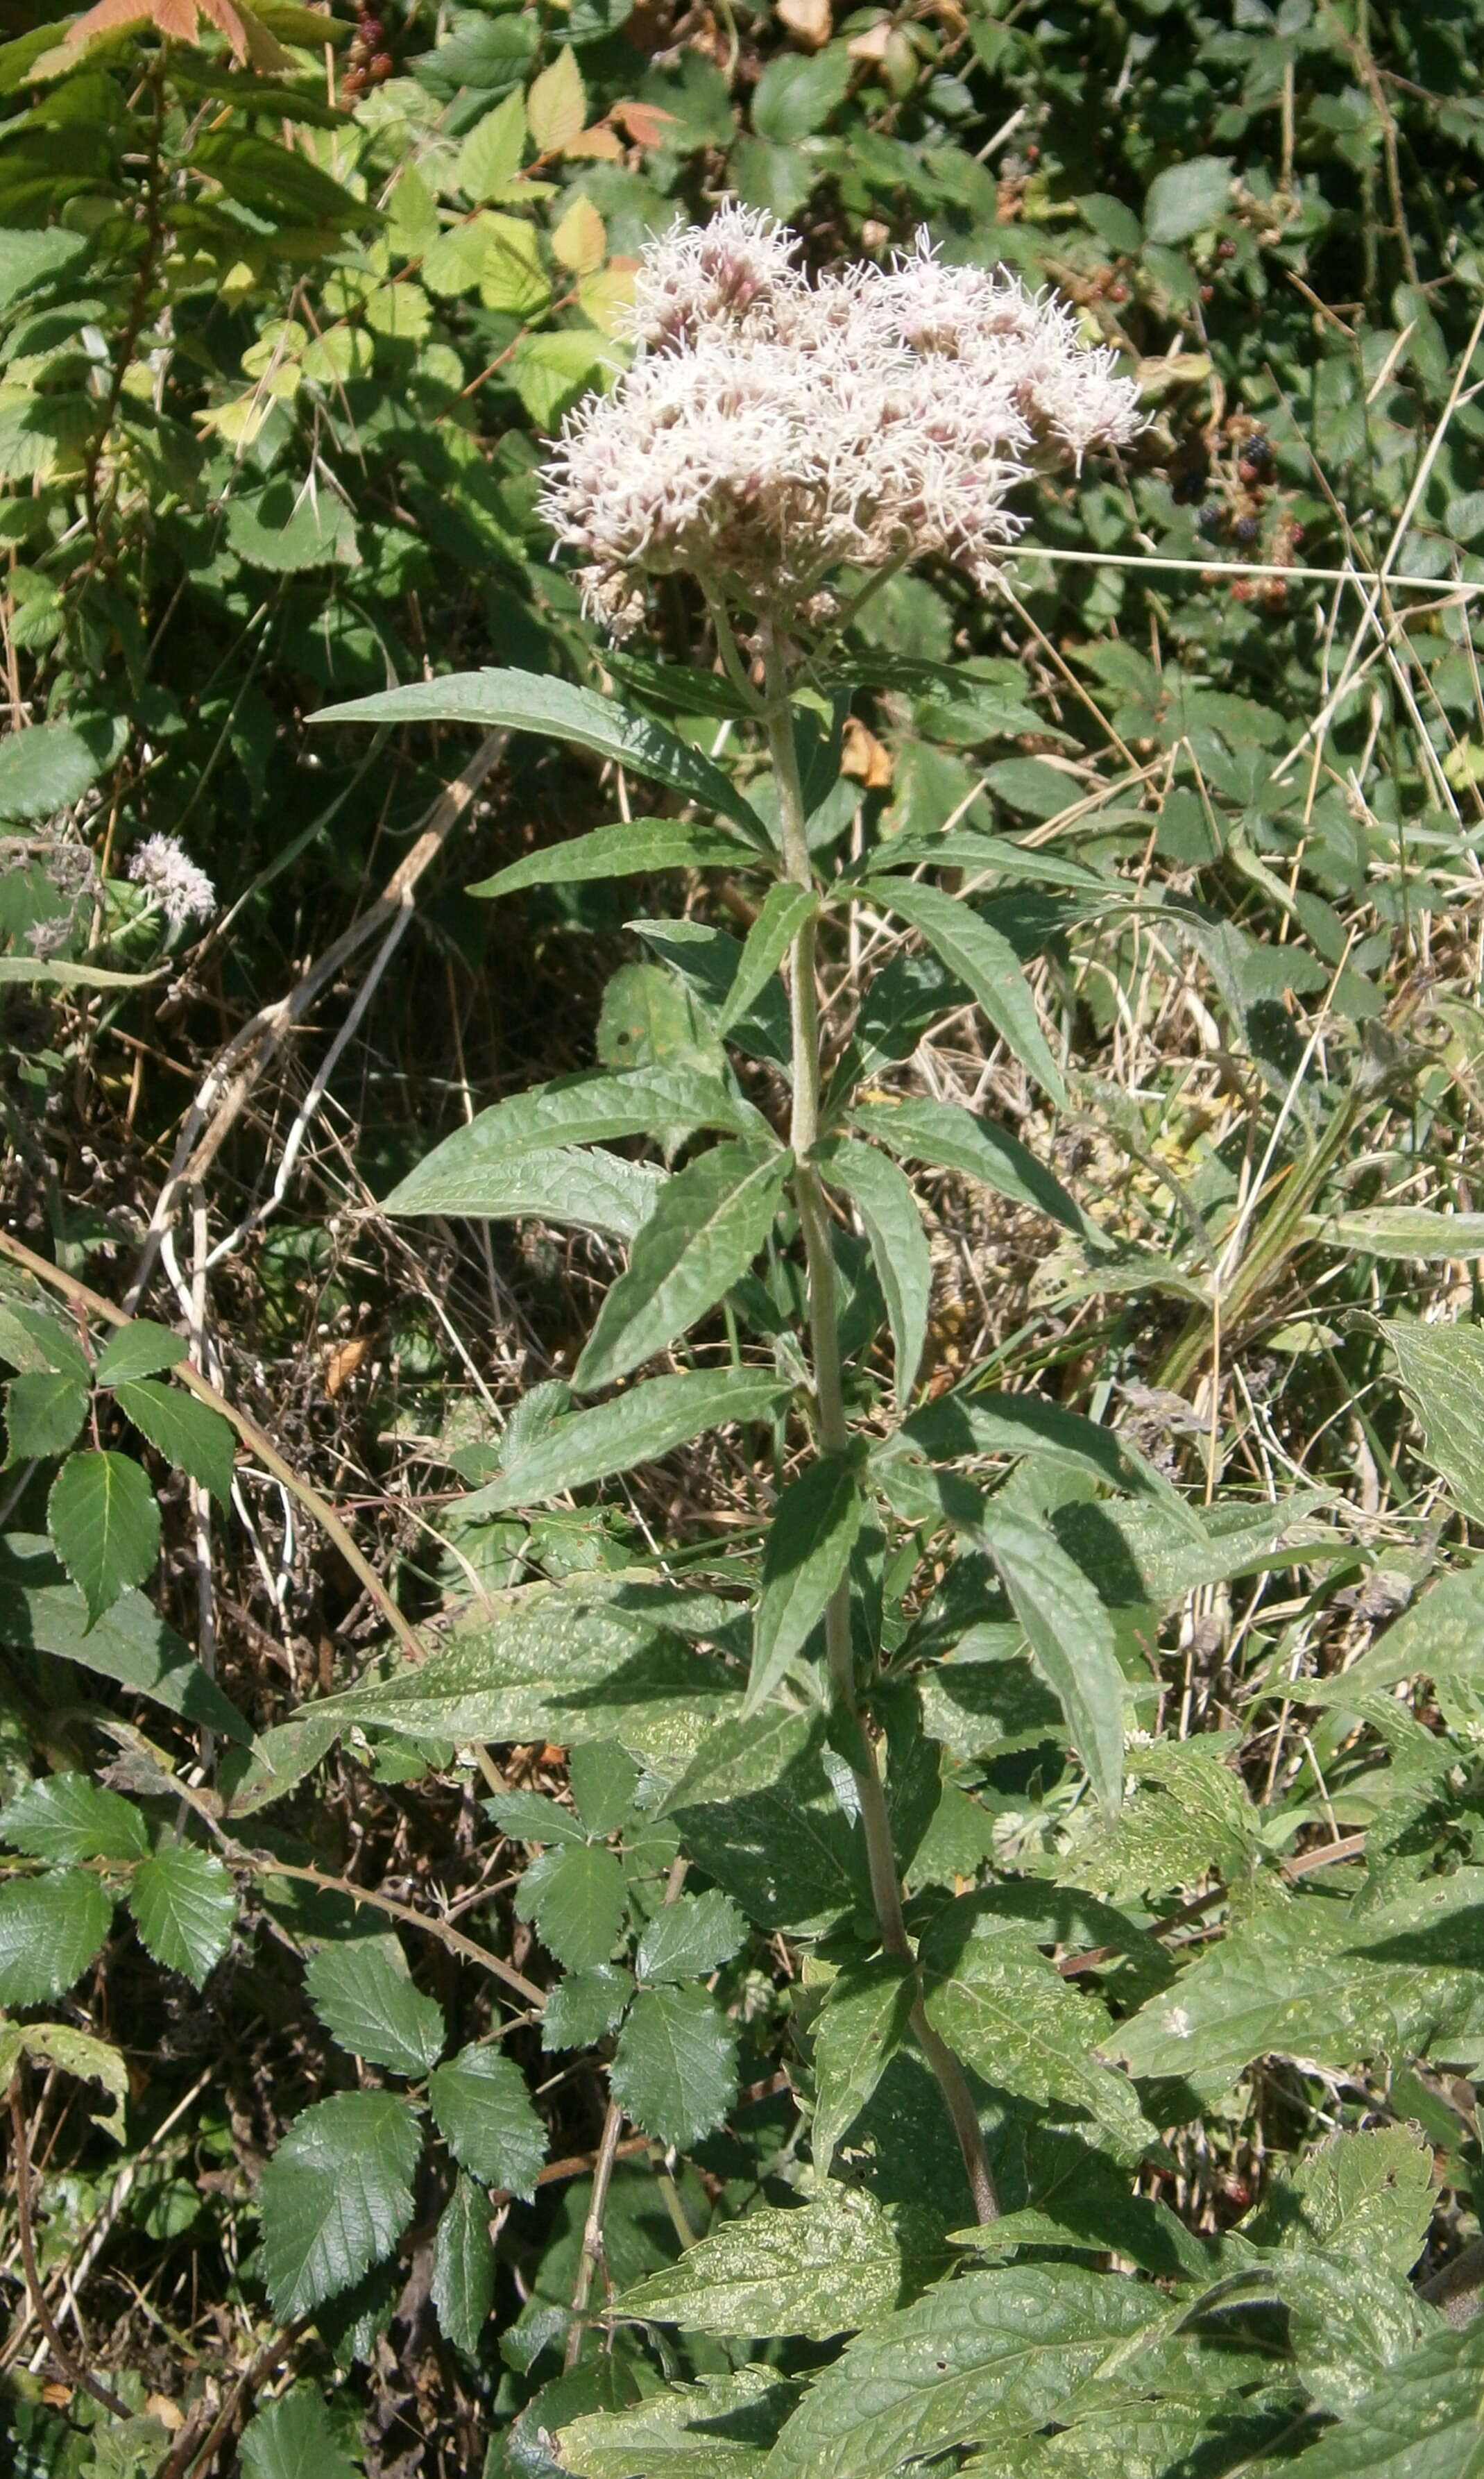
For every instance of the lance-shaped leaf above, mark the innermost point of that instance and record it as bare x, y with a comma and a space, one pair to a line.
634, 1428
1442, 1373
582, 1110
632, 850
993, 2355
526, 702
1404, 1231
813, 2271
784, 911
719, 2428
971, 848
984, 1423
1010, 2015
804, 1559
862, 2025
950, 1137
548, 1663
1071, 1638
710, 1222
596, 1191
988, 967
884, 1200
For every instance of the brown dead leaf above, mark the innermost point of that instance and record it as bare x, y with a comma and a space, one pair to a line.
863, 758
643, 122
343, 1362
180, 20
872, 44
808, 22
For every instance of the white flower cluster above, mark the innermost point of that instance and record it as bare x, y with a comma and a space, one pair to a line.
774, 431
164, 869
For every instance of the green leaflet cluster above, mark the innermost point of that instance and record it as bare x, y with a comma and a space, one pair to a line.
100, 1513
91, 1848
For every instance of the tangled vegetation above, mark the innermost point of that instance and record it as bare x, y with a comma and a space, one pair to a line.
740, 1726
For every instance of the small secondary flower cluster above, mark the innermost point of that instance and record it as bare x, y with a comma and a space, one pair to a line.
772, 431
166, 870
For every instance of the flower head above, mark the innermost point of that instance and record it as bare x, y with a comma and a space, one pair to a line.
163, 868
772, 431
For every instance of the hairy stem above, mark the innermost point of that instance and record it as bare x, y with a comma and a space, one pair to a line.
835, 1437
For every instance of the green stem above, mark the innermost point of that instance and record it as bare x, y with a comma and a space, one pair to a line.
835, 1437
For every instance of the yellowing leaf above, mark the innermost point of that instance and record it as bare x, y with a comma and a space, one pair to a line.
490, 157
281, 338
597, 143
412, 217
557, 105
399, 309
579, 241
340, 353
512, 277
602, 298
239, 423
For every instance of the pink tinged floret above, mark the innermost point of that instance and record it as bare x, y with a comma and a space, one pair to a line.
772, 429
162, 865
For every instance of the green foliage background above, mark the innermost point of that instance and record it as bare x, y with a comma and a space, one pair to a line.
279, 352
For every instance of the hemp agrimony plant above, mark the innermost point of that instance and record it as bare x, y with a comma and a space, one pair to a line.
789, 444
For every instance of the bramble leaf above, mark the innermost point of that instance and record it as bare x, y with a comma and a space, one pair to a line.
483, 2112
45, 1410
186, 1433
66, 1817
50, 1928
690, 1937
292, 2439
185, 1908
577, 1897
675, 2072
104, 1520
464, 2266
363, 1993
139, 1349
336, 2197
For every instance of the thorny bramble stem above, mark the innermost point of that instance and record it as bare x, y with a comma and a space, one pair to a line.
835, 1435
